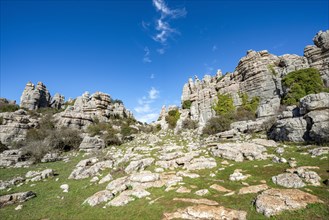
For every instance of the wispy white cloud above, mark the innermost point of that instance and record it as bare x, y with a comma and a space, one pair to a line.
153, 93
161, 50
163, 29
152, 76
145, 111
146, 25
146, 58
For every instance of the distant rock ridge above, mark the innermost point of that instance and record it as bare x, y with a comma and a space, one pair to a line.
88, 108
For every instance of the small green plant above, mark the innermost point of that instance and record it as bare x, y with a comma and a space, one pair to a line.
224, 104
217, 124
300, 83
271, 69
172, 118
4, 107
158, 128
187, 104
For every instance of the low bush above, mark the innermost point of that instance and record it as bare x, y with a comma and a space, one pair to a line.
300, 83
172, 118
189, 124
224, 104
187, 104
217, 124
3, 147
6, 107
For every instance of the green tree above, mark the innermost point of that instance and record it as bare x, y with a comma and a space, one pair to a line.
300, 83
172, 118
224, 105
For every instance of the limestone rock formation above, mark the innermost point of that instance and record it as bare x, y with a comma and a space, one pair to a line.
35, 97
274, 201
318, 54
91, 143
88, 107
16, 198
15, 125
57, 101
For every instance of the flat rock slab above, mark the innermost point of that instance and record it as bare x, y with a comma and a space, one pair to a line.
206, 212
219, 188
288, 180
99, 197
274, 201
196, 201
253, 189
16, 198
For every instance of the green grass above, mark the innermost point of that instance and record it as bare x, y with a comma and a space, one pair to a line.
49, 203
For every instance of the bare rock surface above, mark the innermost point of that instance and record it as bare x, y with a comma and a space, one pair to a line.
206, 212
253, 189
274, 201
16, 198
91, 143
289, 180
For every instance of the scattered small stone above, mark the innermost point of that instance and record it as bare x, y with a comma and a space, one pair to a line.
253, 189
219, 188
19, 207
229, 194
202, 192
237, 176
65, 188
183, 189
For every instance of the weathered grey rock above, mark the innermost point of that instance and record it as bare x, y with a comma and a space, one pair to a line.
15, 125
201, 163
319, 151
253, 189
239, 151
314, 102
57, 101
12, 182
106, 178
318, 126
202, 192
289, 180
16, 198
51, 157
289, 129
139, 165
144, 177
238, 176
120, 200
318, 55
35, 97
39, 175
99, 197
89, 168
274, 201
203, 212
264, 142
10, 158
118, 185
88, 107
91, 143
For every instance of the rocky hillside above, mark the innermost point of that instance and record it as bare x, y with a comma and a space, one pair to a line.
251, 144
262, 75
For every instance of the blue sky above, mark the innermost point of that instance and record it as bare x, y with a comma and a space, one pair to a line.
143, 51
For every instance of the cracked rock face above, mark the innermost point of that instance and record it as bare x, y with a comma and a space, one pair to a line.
274, 201
35, 97
206, 212
289, 180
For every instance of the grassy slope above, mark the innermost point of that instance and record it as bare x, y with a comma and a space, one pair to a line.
49, 203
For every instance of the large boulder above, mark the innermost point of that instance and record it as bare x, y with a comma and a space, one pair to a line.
16, 198
274, 201
35, 97
314, 102
91, 143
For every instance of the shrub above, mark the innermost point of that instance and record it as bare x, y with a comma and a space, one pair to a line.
224, 105
300, 83
110, 138
158, 128
1, 120
187, 104
217, 124
6, 107
35, 150
247, 111
63, 139
172, 118
189, 124
243, 114
126, 130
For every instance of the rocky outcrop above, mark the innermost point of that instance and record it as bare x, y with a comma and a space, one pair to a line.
16, 198
274, 201
15, 125
13, 158
88, 107
311, 123
206, 212
318, 54
91, 143
57, 101
35, 97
